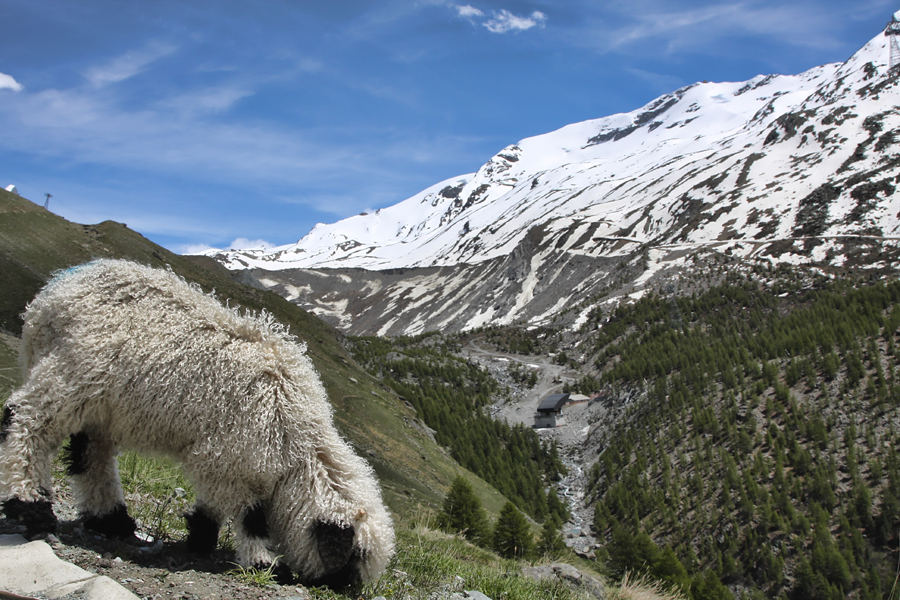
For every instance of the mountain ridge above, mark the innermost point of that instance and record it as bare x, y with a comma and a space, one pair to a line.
547, 175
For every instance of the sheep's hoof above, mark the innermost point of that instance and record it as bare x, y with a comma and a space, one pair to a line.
117, 524
37, 516
203, 532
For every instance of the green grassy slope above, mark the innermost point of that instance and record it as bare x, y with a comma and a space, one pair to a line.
34, 243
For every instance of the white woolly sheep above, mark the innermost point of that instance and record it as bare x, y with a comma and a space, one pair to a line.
122, 356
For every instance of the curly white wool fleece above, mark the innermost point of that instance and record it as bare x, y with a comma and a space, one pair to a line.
140, 359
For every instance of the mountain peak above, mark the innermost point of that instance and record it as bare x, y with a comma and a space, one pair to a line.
731, 163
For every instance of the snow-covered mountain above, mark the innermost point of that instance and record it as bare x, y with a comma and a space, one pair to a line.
799, 168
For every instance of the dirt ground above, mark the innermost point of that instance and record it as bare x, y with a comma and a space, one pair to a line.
152, 570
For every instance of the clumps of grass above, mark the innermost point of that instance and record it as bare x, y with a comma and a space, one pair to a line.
642, 588
254, 576
429, 561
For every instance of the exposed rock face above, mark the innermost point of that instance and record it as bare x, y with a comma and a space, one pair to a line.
534, 283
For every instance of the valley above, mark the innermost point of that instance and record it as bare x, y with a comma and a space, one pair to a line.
747, 431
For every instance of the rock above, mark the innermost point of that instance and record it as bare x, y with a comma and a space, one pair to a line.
31, 568
572, 577
567, 573
539, 572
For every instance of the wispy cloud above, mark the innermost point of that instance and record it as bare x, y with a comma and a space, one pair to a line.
194, 248
128, 65
661, 82
501, 21
238, 244
677, 26
188, 136
207, 100
7, 82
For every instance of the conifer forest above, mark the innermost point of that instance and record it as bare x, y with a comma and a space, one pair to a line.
759, 449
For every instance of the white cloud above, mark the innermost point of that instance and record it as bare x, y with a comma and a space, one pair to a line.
245, 244
195, 248
505, 21
502, 20
128, 65
468, 12
8, 83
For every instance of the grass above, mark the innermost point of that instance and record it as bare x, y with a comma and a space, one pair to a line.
431, 562
157, 494
642, 589
254, 576
10, 375
427, 561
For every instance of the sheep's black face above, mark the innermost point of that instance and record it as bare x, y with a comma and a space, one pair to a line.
335, 544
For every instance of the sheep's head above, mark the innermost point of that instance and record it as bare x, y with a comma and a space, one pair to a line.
329, 524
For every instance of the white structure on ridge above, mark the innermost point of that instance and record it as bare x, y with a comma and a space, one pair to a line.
893, 32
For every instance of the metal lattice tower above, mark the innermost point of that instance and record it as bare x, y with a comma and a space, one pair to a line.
892, 31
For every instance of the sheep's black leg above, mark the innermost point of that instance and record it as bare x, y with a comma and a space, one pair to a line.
254, 522
75, 456
6, 421
91, 465
253, 534
203, 531
37, 516
117, 523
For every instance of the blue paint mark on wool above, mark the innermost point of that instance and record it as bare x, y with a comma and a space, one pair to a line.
63, 274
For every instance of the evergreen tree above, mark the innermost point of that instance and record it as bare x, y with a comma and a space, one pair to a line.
463, 512
707, 586
550, 542
512, 536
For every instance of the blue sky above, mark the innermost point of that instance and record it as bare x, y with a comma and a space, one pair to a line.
208, 123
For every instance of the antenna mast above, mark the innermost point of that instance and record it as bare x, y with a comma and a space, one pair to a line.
892, 31
47, 201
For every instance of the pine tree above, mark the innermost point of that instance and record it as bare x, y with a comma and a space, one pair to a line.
463, 512
550, 542
512, 536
